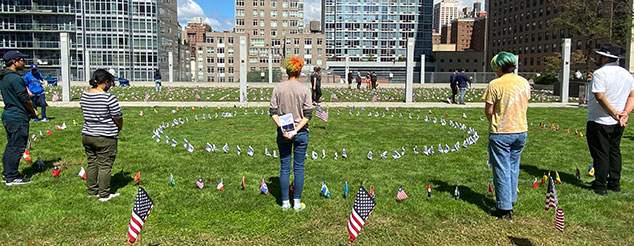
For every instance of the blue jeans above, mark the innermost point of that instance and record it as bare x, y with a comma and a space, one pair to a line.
462, 91
505, 151
297, 146
17, 136
41, 100
157, 85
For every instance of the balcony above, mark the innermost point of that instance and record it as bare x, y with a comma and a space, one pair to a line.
35, 27
37, 9
46, 45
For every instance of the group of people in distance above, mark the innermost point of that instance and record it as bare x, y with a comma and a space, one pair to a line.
458, 81
506, 104
370, 79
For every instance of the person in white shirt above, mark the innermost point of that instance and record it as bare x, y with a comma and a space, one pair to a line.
609, 104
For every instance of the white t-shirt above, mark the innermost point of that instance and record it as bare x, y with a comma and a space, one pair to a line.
616, 83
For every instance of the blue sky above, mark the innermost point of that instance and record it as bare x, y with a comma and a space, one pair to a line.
219, 14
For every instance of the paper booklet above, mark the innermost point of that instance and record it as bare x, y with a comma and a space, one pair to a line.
288, 124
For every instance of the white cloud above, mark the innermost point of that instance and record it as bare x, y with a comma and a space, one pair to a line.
189, 9
312, 10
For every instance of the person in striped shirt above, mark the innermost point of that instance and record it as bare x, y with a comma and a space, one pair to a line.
103, 121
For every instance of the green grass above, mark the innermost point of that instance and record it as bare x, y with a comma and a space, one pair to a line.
52, 211
217, 94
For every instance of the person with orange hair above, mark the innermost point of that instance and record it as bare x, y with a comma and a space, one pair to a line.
292, 97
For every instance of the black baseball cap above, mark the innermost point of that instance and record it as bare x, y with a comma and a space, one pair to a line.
12, 55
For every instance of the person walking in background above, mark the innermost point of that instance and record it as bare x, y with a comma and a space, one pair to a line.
34, 82
291, 97
315, 80
373, 79
103, 121
359, 80
609, 105
506, 105
350, 79
454, 86
463, 82
368, 79
157, 80
18, 109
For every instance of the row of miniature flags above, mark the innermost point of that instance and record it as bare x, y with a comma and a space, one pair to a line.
556, 128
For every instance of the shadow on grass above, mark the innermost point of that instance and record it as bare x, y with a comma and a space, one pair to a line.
274, 188
34, 169
520, 241
120, 180
629, 137
565, 177
467, 194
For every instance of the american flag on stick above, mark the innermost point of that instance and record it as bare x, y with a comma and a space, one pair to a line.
363, 206
142, 206
401, 195
551, 195
559, 220
323, 115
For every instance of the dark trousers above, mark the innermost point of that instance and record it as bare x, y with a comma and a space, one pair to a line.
317, 93
17, 136
454, 92
40, 99
101, 152
604, 143
373, 84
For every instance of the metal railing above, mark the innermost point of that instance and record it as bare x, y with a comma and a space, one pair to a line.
8, 44
8, 26
37, 9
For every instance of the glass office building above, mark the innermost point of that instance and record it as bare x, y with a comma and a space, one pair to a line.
376, 30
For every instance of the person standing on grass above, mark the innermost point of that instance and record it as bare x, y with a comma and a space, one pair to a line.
609, 105
373, 79
157, 81
315, 80
103, 121
454, 86
359, 80
291, 97
350, 79
463, 81
18, 110
34, 81
506, 105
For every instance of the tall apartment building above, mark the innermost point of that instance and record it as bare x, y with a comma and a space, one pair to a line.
376, 30
33, 27
195, 31
521, 27
119, 34
461, 32
271, 27
445, 12
169, 40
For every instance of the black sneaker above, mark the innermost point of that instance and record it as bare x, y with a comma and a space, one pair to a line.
615, 188
601, 192
18, 181
502, 214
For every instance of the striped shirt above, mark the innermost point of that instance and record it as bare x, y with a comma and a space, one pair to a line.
99, 110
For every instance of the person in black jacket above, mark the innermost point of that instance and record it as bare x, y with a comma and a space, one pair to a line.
373, 79
157, 81
18, 111
463, 81
454, 86
350, 79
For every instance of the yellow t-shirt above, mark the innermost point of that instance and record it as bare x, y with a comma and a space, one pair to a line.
509, 95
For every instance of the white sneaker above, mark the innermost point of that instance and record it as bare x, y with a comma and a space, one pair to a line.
112, 195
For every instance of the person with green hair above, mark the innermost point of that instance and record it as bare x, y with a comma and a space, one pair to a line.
506, 105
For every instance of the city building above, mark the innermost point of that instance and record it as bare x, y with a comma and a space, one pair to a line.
122, 35
274, 29
445, 35
169, 45
522, 27
461, 32
195, 31
33, 28
471, 61
445, 12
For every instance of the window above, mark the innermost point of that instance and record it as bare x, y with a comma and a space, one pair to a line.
239, 22
230, 60
296, 41
273, 32
273, 13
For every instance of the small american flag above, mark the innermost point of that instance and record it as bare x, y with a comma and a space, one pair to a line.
551, 195
147, 97
363, 206
142, 207
559, 220
401, 195
374, 98
323, 115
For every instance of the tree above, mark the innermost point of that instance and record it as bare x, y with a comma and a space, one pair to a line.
593, 21
553, 63
371, 58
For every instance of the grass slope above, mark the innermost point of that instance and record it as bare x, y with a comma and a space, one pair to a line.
57, 211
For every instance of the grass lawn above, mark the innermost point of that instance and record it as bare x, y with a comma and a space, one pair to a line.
216, 94
52, 211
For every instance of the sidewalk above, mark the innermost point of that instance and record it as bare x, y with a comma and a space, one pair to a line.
267, 85
75, 104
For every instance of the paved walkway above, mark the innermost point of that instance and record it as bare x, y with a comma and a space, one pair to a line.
75, 104
267, 85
